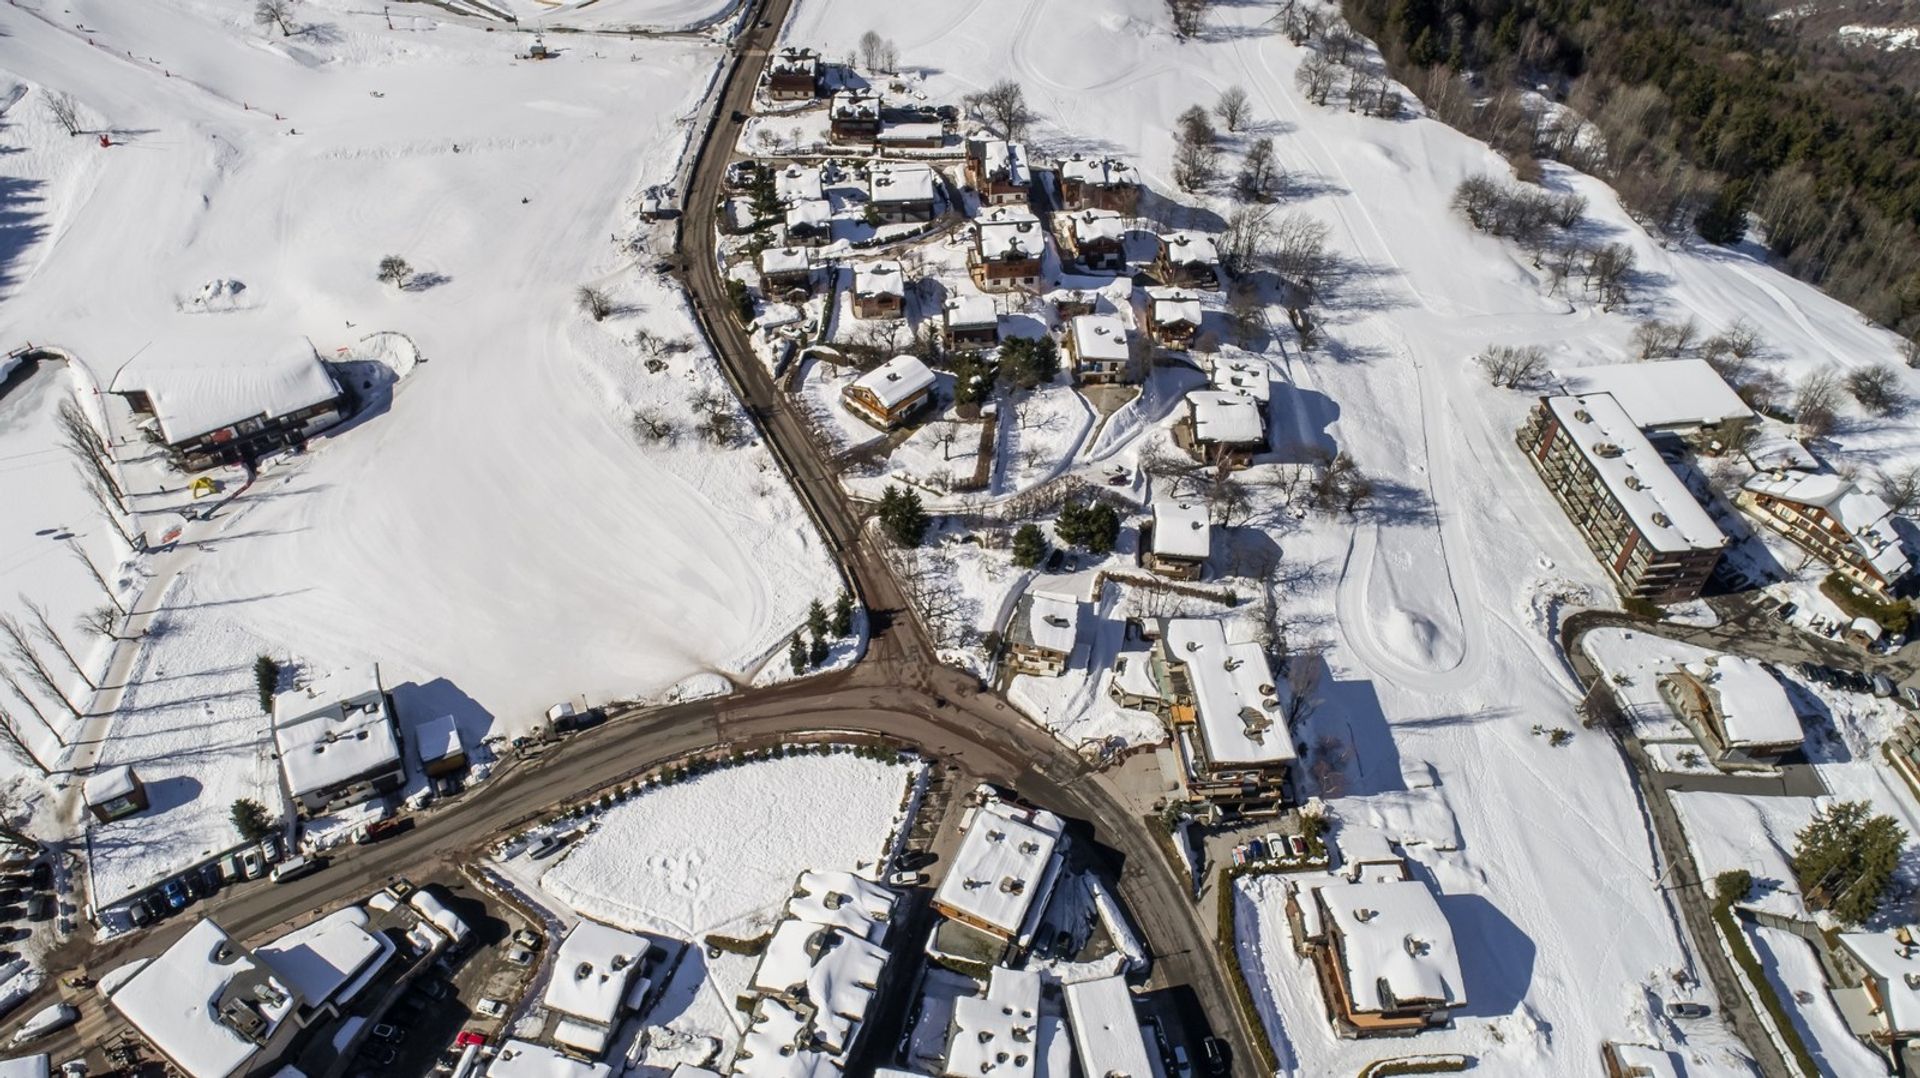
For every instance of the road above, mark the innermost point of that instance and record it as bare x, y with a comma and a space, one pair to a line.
897, 689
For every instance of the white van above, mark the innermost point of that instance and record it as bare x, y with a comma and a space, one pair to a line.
295, 867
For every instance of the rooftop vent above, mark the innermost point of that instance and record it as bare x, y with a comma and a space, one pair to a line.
1363, 915
1013, 885
1663, 520
1607, 450
1633, 483
1581, 415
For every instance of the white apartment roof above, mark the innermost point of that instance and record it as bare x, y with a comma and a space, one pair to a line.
1661, 508
843, 900
1092, 225
1396, 944
798, 183
1242, 710
518, 1059
1181, 530
1099, 338
1050, 620
1247, 377
1006, 859
1864, 516
325, 744
879, 278
1753, 705
201, 385
1172, 305
591, 970
786, 260
1672, 395
1226, 418
838, 972
321, 959
997, 1034
1099, 171
1106, 1031
436, 913
971, 312
172, 1001
109, 784
900, 183
1898, 965
1007, 232
767, 1050
438, 739
897, 380
1190, 248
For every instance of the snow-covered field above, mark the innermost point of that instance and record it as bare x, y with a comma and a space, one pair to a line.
1438, 603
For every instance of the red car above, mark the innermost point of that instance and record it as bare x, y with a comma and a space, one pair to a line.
468, 1038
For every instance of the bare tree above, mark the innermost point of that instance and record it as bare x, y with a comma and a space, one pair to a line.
73, 548
1195, 164
1316, 76
1568, 209
1232, 107
1910, 350
870, 45
47, 634
98, 495
65, 112
1188, 15
719, 422
8, 677
102, 622
1300, 249
652, 425
1513, 366
1244, 243
1654, 339
20, 646
1303, 685
1341, 486
1361, 87
1479, 198
276, 13
1877, 388
593, 302
395, 271
1608, 269
1245, 316
1741, 340
1004, 106
1259, 172
14, 744
1815, 401
1900, 488
89, 450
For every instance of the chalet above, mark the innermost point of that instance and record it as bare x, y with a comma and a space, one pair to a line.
809, 223
1182, 538
1682, 398
438, 748
971, 322
793, 74
1098, 347
1173, 317
1095, 239
1042, 633
224, 406
337, 742
1188, 259
599, 975
879, 289
1738, 708
889, 394
854, 116
1226, 428
998, 172
901, 192
1383, 953
996, 889
1830, 517
1245, 377
799, 183
785, 270
823, 967
1008, 243
1875, 979
114, 793
1071, 303
1098, 183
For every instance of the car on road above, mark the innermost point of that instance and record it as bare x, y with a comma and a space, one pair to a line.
387, 1032
176, 895
1681, 1008
1910, 697
296, 867
1213, 1051
1787, 611
1882, 686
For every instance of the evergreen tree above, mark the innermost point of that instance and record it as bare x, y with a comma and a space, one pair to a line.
817, 654
266, 679
251, 820
1029, 546
1844, 860
817, 620
843, 615
1092, 526
1030, 362
973, 379
1724, 221
902, 516
797, 654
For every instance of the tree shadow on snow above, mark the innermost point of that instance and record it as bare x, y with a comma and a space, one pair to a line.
22, 223
422, 282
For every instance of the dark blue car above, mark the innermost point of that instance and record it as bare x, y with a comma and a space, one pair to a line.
176, 894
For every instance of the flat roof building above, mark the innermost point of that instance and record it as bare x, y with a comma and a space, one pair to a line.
1003, 873
594, 969
340, 752
1675, 396
211, 1006
222, 401
1107, 1038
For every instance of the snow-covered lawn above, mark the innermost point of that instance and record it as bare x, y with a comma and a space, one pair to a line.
614, 15
720, 853
1755, 833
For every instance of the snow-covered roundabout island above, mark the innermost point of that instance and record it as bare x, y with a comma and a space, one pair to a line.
719, 853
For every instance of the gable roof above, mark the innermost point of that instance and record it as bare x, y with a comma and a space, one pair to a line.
896, 381
200, 386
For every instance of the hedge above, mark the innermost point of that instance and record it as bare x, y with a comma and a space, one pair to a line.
1750, 965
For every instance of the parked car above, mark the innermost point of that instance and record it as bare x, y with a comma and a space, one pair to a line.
379, 829
1680, 1008
156, 905
547, 847
1256, 850
1239, 855
527, 938
175, 894
1882, 686
520, 956
387, 1032
294, 868
1787, 611
270, 849
1180, 1065
1213, 1051
469, 1039
251, 866
139, 914
1910, 697
906, 878
1298, 844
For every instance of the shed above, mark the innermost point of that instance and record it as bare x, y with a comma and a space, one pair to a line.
114, 793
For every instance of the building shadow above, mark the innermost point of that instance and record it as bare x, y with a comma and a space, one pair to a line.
415, 703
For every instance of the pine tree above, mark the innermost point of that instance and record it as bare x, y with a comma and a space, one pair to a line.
843, 615
1092, 526
1844, 860
251, 820
1029, 546
266, 679
797, 654
817, 620
902, 515
817, 654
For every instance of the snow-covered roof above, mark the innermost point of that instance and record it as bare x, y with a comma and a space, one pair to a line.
809, 212
1009, 232
786, 260
1190, 248
1865, 626
1241, 709
900, 182
436, 913
923, 131
1226, 418
1046, 620
837, 971
1005, 860
519, 1059
1098, 171
971, 312
320, 960
1174, 305
1675, 394
879, 278
1396, 945
23, 1066
997, 1034
769, 1048
1753, 705
438, 739
1106, 1031
107, 785
1181, 530
1862, 514
200, 385
1662, 509
335, 742
896, 381
798, 183
856, 105
1896, 962
1092, 226
796, 60
174, 1001
1004, 161
591, 970
845, 901
1247, 377
1642, 1061
1099, 338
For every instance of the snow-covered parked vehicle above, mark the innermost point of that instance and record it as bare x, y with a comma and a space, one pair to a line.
51, 1020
